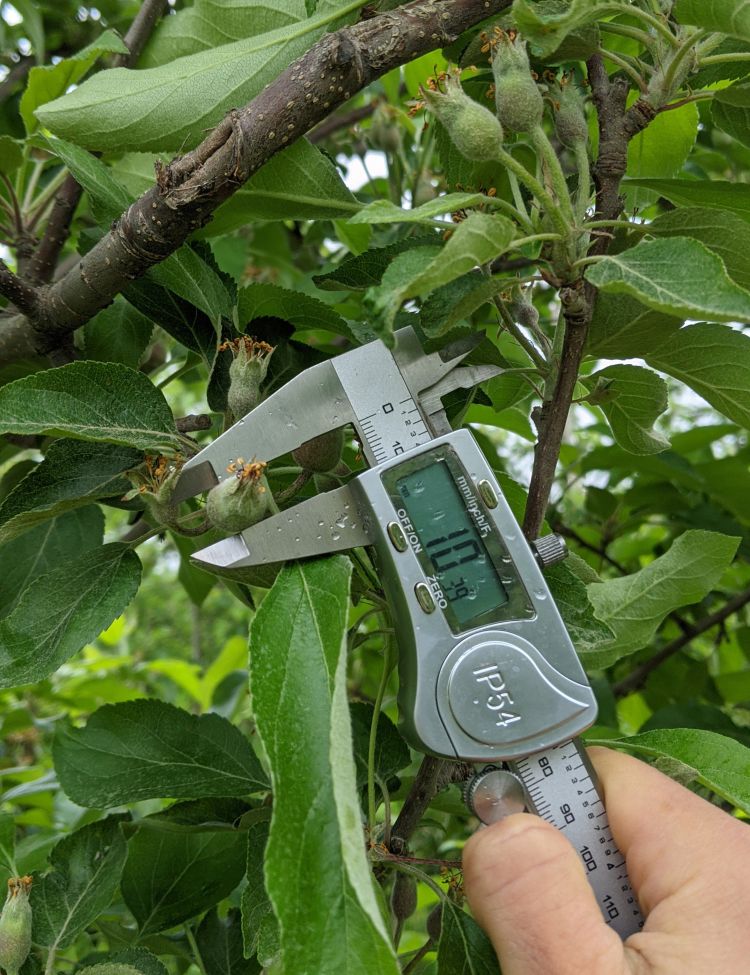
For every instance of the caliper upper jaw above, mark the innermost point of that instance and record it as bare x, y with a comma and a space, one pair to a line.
433, 375
312, 403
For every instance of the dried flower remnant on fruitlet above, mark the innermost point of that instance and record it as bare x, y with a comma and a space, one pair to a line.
241, 500
472, 128
15, 925
155, 481
250, 360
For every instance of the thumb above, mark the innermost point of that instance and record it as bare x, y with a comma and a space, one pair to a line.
528, 890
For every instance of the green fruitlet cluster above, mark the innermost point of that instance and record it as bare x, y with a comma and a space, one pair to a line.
240, 500
15, 926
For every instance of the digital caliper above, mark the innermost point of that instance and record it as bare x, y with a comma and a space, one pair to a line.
488, 673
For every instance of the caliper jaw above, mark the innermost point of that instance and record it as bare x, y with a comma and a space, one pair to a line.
314, 402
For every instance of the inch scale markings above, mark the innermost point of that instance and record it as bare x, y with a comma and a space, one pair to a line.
561, 787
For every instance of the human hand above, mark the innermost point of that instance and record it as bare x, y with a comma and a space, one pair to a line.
688, 861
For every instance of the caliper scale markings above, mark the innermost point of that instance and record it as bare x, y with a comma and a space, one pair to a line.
561, 786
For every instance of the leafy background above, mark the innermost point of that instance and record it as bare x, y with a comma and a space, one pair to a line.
137, 768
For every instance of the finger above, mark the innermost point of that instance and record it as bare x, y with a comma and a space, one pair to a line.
670, 837
528, 890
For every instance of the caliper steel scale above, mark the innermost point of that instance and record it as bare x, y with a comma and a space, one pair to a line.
488, 673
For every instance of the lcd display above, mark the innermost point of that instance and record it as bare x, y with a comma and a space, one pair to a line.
452, 544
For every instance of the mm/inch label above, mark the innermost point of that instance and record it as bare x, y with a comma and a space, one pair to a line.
562, 789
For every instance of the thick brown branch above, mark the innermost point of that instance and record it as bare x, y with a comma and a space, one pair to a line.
16, 76
638, 677
17, 291
617, 125
189, 190
44, 260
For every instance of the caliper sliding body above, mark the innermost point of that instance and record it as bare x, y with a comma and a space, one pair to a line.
488, 673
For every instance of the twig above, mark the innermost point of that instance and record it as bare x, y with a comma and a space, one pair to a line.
424, 950
617, 125
638, 677
44, 259
192, 422
15, 76
191, 188
17, 291
343, 120
140, 30
434, 775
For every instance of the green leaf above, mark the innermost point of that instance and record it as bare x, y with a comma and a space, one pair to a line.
108, 198
383, 211
170, 107
256, 906
84, 874
700, 193
148, 749
298, 685
72, 474
219, 941
44, 547
725, 16
192, 278
631, 398
141, 959
723, 232
210, 23
571, 596
302, 310
721, 764
635, 605
91, 401
191, 327
383, 301
677, 275
661, 149
706, 717
391, 751
730, 110
456, 302
477, 239
64, 609
623, 328
714, 361
464, 949
366, 270
50, 81
301, 183
171, 875
547, 23
11, 154
119, 333
7, 846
